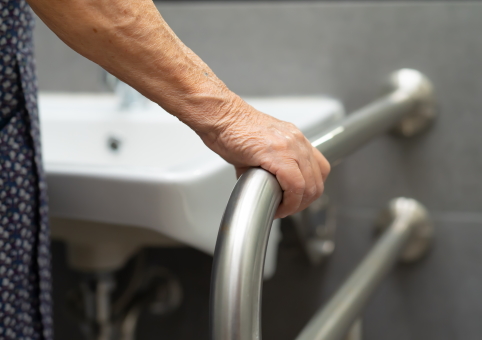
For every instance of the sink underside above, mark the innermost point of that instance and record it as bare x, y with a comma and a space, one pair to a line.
144, 168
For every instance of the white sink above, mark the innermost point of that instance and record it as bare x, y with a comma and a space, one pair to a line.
143, 168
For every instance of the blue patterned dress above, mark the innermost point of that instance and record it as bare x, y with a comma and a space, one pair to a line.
25, 282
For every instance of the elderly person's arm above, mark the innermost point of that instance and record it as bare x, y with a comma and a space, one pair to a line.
131, 40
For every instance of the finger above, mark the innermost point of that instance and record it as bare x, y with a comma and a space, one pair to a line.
292, 183
318, 178
320, 187
323, 163
310, 171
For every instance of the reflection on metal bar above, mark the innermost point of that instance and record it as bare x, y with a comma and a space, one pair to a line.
355, 332
243, 235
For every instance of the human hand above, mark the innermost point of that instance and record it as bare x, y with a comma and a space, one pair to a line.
132, 41
249, 138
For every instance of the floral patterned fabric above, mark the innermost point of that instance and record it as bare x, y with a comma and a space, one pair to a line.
25, 281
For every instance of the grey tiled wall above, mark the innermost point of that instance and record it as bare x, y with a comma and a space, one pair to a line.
346, 50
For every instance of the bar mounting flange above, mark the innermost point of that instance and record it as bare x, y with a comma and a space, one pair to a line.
409, 82
419, 222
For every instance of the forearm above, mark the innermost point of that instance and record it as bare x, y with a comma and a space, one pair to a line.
131, 40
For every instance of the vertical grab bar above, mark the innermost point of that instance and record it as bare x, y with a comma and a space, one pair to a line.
243, 235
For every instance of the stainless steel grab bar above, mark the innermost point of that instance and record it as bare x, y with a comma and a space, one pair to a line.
408, 233
243, 235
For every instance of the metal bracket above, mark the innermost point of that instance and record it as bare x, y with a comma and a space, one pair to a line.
315, 227
413, 83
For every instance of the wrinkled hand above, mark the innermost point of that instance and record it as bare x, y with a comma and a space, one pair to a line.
152, 59
248, 138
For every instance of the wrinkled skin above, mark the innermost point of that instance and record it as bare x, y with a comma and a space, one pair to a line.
131, 40
255, 139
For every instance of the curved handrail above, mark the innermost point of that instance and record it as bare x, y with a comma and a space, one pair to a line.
243, 235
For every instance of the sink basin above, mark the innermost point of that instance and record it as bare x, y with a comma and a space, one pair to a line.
144, 170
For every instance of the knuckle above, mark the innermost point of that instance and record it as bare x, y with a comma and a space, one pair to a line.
311, 192
281, 144
297, 133
292, 129
298, 187
290, 126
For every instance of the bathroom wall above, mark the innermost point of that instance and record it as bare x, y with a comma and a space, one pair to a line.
345, 50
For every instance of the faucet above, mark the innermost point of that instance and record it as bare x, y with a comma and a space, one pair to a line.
129, 98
